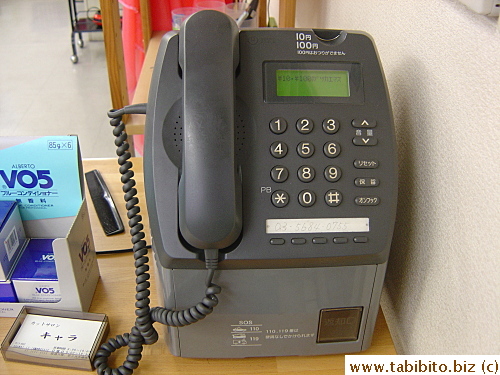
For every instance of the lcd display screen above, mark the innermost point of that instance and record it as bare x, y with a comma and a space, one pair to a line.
323, 225
312, 83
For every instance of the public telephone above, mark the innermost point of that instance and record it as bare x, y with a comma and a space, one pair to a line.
271, 153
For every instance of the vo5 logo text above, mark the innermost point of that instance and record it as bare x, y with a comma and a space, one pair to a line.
84, 249
27, 179
45, 290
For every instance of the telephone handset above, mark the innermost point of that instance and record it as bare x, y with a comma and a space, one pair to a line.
271, 152
209, 186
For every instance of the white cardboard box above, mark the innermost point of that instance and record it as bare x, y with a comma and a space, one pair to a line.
75, 258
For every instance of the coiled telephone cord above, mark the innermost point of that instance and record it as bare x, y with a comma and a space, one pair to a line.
143, 332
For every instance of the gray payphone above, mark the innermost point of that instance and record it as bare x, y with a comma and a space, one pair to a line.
269, 155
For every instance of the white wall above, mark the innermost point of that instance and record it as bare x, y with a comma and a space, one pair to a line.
442, 64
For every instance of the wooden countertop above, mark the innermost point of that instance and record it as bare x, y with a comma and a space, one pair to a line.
114, 296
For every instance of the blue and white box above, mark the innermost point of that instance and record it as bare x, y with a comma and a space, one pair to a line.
42, 174
12, 237
35, 277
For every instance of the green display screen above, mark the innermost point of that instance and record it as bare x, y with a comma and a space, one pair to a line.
307, 83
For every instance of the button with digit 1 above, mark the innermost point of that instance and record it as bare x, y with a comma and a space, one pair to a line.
278, 125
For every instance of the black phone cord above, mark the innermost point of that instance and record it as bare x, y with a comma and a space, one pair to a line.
143, 332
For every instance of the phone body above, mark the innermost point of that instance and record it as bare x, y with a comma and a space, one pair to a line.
277, 147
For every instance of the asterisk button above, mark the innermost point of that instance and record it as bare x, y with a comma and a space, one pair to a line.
280, 198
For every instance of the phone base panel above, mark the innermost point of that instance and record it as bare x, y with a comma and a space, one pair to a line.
276, 312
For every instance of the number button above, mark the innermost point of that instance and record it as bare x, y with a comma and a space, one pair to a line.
304, 125
331, 149
306, 173
330, 125
279, 149
305, 149
280, 198
332, 173
278, 125
307, 198
279, 173
333, 198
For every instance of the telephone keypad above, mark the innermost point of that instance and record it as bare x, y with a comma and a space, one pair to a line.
364, 136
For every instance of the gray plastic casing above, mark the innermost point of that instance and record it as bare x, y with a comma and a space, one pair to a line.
288, 283
270, 312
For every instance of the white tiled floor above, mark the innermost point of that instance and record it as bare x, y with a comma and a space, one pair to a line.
41, 91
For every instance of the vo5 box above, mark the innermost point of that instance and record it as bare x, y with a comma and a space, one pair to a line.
35, 277
42, 174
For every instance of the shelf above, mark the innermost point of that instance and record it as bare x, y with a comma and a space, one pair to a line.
84, 25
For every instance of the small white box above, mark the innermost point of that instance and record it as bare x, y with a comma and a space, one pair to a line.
12, 237
41, 325
35, 277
